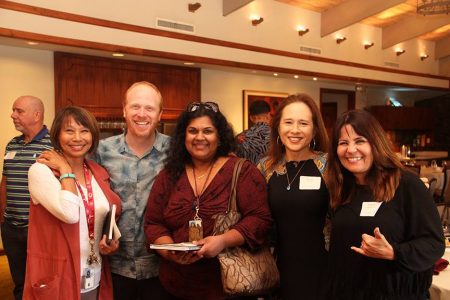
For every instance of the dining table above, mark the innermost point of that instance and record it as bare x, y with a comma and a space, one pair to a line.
440, 287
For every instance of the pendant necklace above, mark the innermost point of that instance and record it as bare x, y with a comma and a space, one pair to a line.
288, 187
201, 176
197, 194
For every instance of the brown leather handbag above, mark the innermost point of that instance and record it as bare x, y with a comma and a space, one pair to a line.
243, 272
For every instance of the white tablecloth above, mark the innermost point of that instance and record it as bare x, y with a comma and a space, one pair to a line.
440, 288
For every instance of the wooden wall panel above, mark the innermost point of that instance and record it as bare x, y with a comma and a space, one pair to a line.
99, 84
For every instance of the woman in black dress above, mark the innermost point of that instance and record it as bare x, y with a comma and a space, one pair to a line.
298, 196
386, 233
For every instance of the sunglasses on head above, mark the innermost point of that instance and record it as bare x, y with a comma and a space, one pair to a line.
206, 105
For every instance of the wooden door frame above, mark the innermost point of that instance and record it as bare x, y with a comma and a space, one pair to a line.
350, 96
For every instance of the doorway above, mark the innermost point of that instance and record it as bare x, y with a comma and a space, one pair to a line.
334, 103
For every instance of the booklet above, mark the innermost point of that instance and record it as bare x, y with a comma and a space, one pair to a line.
110, 228
176, 247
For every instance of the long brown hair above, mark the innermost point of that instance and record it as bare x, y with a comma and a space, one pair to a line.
384, 175
320, 134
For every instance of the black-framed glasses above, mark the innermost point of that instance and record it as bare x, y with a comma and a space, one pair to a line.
206, 105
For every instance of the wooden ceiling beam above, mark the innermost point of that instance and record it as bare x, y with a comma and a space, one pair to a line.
442, 48
410, 28
351, 12
230, 6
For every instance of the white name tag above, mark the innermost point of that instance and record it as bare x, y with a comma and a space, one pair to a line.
369, 209
10, 155
87, 280
309, 182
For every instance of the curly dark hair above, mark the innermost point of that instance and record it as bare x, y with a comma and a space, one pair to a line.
179, 157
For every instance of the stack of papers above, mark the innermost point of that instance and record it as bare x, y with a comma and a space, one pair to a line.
176, 247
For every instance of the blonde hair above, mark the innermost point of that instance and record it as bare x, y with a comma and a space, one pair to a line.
144, 83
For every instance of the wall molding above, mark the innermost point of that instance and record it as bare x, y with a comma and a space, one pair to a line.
62, 41
14, 6
10, 5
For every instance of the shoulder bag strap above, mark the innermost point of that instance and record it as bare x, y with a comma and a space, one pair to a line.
232, 200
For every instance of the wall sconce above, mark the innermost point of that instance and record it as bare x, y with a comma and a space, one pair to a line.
194, 6
340, 39
424, 56
367, 45
400, 52
257, 20
302, 31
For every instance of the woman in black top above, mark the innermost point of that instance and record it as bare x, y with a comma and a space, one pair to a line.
386, 233
298, 197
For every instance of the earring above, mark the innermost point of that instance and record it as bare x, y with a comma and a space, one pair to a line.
314, 145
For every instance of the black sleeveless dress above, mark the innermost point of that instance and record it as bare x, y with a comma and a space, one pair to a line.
299, 216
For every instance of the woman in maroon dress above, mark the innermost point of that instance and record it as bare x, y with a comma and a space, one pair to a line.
192, 189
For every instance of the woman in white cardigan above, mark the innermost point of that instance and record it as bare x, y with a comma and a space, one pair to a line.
70, 199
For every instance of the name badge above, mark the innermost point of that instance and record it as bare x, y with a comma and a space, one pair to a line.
309, 182
87, 280
369, 209
10, 155
195, 230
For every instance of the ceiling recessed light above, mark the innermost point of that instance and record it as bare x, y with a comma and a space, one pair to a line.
32, 43
275, 74
314, 78
188, 63
295, 76
117, 54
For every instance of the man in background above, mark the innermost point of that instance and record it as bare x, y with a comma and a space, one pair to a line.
253, 143
133, 159
21, 152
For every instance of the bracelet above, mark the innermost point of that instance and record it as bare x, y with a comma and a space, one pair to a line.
67, 175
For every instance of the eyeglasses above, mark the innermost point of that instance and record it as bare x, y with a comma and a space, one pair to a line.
206, 105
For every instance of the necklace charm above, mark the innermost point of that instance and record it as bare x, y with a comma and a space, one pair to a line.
92, 258
289, 182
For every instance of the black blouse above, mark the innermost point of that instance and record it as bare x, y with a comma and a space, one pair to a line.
410, 223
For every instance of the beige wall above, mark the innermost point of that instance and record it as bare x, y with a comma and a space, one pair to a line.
24, 72
276, 32
444, 66
226, 89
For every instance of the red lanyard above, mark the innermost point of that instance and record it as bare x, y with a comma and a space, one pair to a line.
89, 202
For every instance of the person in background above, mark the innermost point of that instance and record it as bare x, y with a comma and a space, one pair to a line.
253, 143
133, 159
21, 152
386, 233
71, 198
298, 196
193, 188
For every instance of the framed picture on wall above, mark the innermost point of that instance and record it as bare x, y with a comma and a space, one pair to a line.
273, 98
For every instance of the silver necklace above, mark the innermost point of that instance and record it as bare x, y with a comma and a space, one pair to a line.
288, 187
